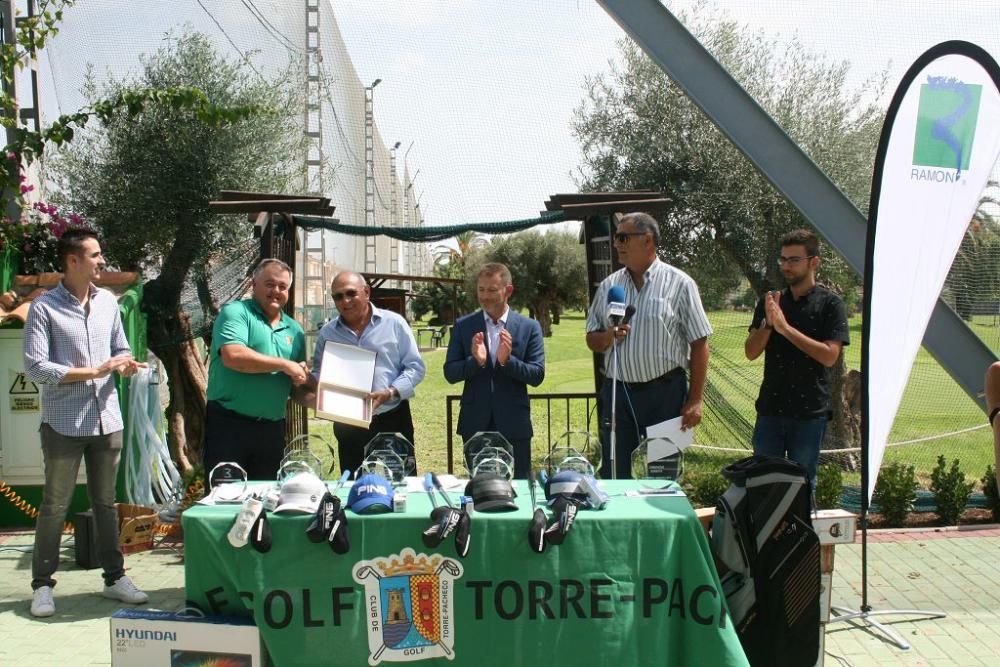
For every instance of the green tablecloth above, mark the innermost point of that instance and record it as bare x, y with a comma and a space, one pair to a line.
633, 584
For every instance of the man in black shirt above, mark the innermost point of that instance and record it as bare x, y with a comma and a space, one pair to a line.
801, 331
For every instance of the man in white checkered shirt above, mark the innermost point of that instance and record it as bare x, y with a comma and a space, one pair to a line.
668, 336
73, 343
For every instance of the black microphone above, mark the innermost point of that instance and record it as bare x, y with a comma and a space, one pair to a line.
629, 312
616, 304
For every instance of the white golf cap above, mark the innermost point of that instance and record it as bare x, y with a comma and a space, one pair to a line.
301, 493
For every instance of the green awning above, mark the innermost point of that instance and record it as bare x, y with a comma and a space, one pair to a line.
425, 234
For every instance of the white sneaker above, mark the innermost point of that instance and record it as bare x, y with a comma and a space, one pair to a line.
42, 604
125, 591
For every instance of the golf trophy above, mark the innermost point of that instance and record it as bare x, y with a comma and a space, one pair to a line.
489, 451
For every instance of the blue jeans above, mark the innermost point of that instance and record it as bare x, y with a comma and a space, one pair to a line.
62, 455
798, 439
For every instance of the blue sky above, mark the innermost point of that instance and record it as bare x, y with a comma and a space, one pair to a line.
486, 90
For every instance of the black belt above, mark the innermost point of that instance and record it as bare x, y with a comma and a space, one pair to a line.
218, 407
666, 377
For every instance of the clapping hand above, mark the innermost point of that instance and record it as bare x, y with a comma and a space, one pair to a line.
772, 311
504, 348
479, 348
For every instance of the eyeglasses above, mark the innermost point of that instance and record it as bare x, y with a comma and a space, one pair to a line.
346, 294
793, 260
623, 237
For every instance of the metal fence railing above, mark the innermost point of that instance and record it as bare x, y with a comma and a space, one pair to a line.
552, 415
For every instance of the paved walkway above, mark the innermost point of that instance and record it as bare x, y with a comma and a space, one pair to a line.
956, 571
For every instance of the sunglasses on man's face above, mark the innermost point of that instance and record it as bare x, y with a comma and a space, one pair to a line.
346, 294
623, 237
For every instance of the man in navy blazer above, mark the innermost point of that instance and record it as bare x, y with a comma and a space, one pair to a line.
498, 353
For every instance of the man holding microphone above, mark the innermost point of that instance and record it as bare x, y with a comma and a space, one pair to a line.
667, 336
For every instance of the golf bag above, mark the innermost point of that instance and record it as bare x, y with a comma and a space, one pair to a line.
762, 532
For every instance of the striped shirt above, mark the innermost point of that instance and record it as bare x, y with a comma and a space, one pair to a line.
668, 318
61, 334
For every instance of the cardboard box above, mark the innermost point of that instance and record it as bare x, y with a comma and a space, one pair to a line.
835, 526
136, 527
143, 638
345, 380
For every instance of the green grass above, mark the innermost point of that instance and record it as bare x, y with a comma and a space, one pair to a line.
932, 404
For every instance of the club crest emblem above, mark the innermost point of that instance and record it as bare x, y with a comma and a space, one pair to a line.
410, 601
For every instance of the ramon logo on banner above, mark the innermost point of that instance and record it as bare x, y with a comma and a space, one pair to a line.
946, 125
410, 601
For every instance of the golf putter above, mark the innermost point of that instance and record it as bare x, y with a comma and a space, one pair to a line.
440, 516
440, 488
463, 537
343, 480
536, 534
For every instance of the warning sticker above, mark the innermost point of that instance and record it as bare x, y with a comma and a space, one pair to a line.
23, 393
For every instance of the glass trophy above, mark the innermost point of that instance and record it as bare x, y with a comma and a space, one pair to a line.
395, 451
294, 466
568, 458
495, 460
657, 458
384, 463
298, 451
584, 443
488, 446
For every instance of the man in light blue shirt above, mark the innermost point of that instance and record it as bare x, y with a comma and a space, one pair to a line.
398, 366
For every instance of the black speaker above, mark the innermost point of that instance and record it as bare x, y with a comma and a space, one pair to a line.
85, 539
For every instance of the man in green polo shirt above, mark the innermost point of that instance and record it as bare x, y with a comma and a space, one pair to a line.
258, 356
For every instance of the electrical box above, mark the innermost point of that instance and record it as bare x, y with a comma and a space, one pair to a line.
20, 417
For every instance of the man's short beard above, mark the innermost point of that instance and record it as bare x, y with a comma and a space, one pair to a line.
795, 280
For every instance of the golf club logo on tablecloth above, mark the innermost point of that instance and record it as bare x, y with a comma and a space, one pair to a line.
410, 606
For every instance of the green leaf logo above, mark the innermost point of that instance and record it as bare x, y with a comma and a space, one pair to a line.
946, 123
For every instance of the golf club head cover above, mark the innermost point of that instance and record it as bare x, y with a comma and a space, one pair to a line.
240, 532
326, 514
260, 534
444, 520
339, 538
536, 534
563, 515
463, 536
